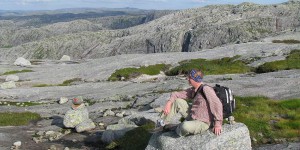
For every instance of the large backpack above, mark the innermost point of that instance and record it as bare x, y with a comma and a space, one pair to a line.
226, 97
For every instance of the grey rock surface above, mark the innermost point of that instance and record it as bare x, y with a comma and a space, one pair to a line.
138, 96
235, 137
114, 132
182, 31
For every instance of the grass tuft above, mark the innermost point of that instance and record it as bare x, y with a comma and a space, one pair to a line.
211, 67
16, 71
69, 82
267, 119
137, 138
17, 119
290, 41
65, 83
291, 62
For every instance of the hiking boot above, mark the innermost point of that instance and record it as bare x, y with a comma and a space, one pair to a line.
160, 123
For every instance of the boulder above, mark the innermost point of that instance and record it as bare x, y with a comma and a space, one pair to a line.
12, 78
86, 125
22, 62
65, 58
233, 137
8, 85
63, 100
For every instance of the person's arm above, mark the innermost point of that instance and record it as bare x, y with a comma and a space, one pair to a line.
216, 108
182, 94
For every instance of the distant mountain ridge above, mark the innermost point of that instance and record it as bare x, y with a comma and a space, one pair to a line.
154, 32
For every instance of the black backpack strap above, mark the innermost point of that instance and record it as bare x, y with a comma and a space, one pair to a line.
200, 90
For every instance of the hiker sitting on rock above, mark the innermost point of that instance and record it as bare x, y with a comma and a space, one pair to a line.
78, 116
200, 115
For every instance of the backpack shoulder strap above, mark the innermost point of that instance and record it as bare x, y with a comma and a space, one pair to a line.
200, 90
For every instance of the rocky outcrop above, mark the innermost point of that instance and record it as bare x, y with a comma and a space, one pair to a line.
29, 28
132, 100
182, 31
233, 137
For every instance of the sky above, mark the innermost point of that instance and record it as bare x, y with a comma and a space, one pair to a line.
141, 4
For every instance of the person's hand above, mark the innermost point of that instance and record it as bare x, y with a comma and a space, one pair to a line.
167, 108
217, 130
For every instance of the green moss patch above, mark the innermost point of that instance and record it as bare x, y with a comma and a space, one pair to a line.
16, 71
65, 83
268, 119
17, 119
69, 82
289, 41
292, 61
211, 67
137, 138
128, 73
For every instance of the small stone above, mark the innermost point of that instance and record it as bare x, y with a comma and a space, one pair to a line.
52, 147
40, 133
67, 131
66, 148
65, 58
51, 138
8, 85
121, 114
49, 133
17, 144
12, 78
63, 100
36, 139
